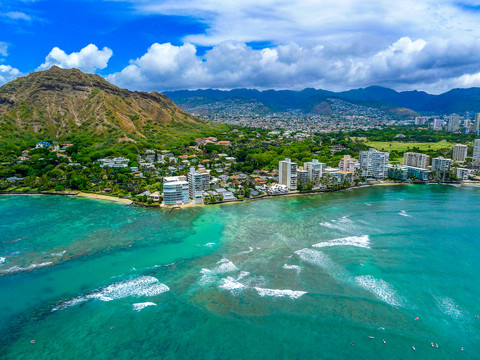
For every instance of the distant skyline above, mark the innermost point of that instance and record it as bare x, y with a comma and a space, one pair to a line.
264, 44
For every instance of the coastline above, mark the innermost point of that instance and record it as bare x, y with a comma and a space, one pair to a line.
104, 197
185, 206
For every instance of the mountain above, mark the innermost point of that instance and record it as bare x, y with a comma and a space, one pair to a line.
404, 103
58, 102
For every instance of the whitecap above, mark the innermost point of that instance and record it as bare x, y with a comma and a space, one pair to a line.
3, 260
231, 285
250, 249
404, 213
242, 275
322, 260
139, 287
141, 306
292, 294
17, 269
208, 277
447, 306
225, 266
209, 244
297, 268
342, 224
358, 241
380, 288
59, 253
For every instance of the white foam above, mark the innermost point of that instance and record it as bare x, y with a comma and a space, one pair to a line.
358, 241
404, 213
59, 253
342, 224
368, 204
209, 244
322, 260
17, 269
242, 275
225, 266
208, 277
141, 306
139, 287
448, 307
3, 260
231, 285
292, 294
250, 249
380, 288
297, 268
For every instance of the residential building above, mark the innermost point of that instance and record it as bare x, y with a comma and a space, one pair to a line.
348, 164
441, 164
314, 169
287, 174
476, 151
453, 123
477, 124
205, 178
437, 124
460, 152
175, 190
416, 160
302, 176
373, 164
461, 173
403, 172
278, 189
195, 186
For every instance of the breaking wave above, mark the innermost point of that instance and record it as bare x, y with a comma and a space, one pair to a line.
380, 288
17, 269
358, 241
292, 294
141, 306
143, 286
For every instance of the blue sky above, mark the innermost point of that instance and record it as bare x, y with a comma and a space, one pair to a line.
183, 44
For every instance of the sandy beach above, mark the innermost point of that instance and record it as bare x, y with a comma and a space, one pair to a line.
104, 197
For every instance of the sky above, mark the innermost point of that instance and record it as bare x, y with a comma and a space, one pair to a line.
162, 45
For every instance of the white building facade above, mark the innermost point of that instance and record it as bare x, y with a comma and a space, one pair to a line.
287, 174
373, 163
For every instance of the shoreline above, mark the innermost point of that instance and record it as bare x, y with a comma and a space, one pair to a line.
124, 201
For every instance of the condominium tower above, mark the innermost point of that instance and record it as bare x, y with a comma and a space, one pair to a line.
373, 163
460, 152
287, 174
416, 160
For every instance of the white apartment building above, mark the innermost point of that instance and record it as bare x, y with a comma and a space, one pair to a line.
195, 186
476, 152
460, 152
175, 190
373, 163
441, 164
287, 174
437, 124
416, 160
314, 169
453, 123
302, 176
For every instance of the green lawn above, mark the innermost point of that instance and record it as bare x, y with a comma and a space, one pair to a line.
406, 146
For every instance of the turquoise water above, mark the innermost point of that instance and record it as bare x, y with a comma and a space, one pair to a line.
285, 278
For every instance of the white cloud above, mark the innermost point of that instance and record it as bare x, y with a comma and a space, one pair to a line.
3, 48
89, 59
8, 73
373, 23
17, 15
404, 64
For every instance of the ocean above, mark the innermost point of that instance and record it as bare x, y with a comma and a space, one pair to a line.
387, 272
